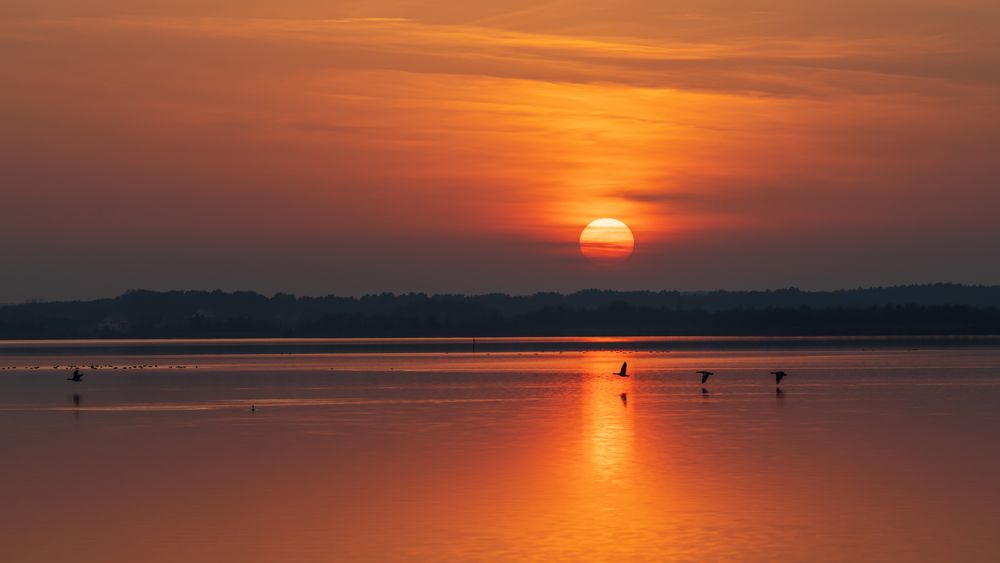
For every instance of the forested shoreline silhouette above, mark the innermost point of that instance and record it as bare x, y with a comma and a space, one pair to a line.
900, 310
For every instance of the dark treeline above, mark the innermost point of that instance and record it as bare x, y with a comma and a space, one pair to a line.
918, 309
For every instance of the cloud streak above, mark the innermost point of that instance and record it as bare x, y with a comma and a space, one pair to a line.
779, 66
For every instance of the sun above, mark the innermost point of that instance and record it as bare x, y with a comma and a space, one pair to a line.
606, 241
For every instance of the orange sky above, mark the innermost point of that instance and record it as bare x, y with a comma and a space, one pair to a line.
361, 146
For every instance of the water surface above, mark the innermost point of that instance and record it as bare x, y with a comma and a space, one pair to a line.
880, 452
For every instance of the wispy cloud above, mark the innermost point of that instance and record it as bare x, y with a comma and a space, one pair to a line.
783, 66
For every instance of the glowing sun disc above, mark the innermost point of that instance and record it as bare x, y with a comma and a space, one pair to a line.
607, 241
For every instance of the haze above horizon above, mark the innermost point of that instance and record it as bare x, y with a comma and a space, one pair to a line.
366, 146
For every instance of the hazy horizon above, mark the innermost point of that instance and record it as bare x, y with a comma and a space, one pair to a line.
364, 146
482, 293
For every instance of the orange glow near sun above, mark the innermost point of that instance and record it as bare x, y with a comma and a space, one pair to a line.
607, 241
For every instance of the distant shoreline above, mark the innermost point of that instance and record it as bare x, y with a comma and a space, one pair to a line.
938, 309
485, 345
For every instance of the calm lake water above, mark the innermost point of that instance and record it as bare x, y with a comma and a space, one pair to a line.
521, 450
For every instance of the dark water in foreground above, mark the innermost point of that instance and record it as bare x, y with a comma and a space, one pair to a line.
877, 453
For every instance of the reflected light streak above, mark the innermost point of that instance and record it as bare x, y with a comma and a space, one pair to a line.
608, 425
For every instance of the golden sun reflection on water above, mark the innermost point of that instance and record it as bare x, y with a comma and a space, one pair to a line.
608, 426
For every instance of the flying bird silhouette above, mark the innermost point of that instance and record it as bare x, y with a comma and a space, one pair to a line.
705, 375
778, 376
77, 376
622, 373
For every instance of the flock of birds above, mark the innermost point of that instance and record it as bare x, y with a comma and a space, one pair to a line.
778, 375
78, 377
